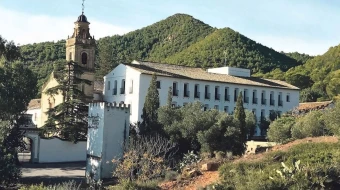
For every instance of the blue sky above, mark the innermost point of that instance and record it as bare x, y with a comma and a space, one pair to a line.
306, 26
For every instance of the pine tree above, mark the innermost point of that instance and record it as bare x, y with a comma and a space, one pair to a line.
68, 119
150, 109
240, 115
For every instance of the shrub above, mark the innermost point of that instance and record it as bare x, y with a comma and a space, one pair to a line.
280, 130
136, 185
219, 155
224, 135
310, 125
189, 159
71, 185
319, 169
146, 158
170, 175
332, 119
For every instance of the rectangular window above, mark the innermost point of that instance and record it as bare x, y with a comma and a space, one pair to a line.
185, 103
226, 94
122, 89
263, 98
108, 85
263, 114
158, 84
216, 107
174, 104
235, 94
254, 111
226, 109
186, 90
280, 103
206, 92
272, 102
245, 96
288, 98
197, 93
254, 97
217, 93
174, 89
115, 88
206, 107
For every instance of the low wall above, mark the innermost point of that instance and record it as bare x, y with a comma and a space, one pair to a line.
57, 150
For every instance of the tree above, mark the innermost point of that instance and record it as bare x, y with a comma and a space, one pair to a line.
280, 130
151, 105
68, 119
222, 136
309, 95
240, 115
250, 123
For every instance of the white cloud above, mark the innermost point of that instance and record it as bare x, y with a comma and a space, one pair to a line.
25, 28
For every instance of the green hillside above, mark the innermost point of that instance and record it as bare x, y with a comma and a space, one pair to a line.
155, 42
241, 52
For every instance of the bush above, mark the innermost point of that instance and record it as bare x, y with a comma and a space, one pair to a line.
319, 169
71, 185
223, 136
332, 119
136, 185
280, 130
189, 159
310, 125
170, 175
145, 159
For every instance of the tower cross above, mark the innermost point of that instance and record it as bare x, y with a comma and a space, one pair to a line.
83, 7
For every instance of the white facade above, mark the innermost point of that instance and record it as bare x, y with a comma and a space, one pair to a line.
107, 133
136, 86
36, 114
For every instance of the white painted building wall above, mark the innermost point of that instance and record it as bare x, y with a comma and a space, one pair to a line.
108, 130
56, 150
36, 114
141, 83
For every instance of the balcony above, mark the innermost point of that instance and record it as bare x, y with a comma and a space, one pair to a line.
254, 100
217, 96
227, 98
280, 103
207, 96
122, 90
272, 102
186, 93
114, 91
175, 92
263, 101
197, 95
246, 99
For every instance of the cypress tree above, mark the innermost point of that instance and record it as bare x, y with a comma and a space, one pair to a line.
169, 100
240, 115
151, 105
68, 119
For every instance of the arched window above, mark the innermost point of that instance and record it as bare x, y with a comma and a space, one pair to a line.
84, 58
70, 56
84, 33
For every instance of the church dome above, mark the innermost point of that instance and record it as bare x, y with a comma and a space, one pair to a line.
82, 18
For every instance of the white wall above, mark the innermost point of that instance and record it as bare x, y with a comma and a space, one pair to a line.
56, 150
105, 142
36, 114
142, 82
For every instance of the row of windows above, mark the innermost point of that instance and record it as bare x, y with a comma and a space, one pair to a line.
207, 94
217, 94
226, 109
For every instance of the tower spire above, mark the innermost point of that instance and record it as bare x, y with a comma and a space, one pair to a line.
83, 7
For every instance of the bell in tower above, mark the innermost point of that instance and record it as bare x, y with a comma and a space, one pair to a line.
80, 48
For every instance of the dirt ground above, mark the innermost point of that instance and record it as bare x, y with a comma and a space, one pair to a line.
212, 177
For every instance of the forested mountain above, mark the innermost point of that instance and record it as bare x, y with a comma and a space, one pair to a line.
154, 43
184, 40
301, 58
241, 52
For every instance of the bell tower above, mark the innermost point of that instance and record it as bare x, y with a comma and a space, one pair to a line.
80, 48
